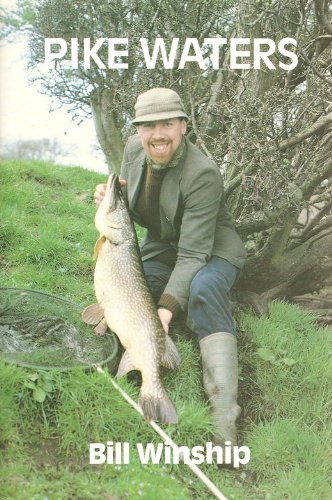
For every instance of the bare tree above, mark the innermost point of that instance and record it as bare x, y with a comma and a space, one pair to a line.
275, 146
270, 130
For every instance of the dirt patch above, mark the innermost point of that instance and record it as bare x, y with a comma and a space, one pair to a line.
45, 452
83, 197
32, 176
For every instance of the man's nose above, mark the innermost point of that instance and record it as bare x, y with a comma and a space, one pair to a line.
158, 131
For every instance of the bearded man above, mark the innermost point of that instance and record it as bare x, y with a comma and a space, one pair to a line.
191, 253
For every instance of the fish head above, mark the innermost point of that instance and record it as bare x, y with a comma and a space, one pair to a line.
112, 217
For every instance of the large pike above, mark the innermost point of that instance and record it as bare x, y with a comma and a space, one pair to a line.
126, 306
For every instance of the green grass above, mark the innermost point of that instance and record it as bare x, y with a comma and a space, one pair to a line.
47, 236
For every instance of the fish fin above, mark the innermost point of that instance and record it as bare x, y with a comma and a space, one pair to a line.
171, 357
158, 408
125, 366
93, 314
98, 246
101, 328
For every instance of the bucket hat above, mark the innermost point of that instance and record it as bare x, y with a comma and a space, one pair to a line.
158, 104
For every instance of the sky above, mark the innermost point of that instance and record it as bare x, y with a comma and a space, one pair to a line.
25, 113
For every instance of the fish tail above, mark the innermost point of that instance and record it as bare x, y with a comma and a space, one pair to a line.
158, 407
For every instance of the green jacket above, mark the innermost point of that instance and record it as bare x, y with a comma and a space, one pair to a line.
193, 215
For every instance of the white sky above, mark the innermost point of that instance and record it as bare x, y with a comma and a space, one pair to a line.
24, 113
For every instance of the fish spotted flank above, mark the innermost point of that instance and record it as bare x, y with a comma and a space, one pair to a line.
126, 306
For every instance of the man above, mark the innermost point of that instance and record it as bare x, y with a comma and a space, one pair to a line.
191, 253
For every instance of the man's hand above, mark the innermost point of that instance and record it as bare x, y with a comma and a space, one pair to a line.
165, 317
100, 192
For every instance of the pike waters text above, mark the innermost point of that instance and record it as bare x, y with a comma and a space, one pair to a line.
245, 53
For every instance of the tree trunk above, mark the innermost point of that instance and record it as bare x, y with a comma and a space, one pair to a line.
107, 127
304, 269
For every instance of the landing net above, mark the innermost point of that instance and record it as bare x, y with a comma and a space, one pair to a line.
40, 330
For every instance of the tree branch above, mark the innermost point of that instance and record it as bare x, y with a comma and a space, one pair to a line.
307, 231
155, 16
314, 129
200, 141
308, 187
314, 69
258, 223
238, 179
278, 239
321, 17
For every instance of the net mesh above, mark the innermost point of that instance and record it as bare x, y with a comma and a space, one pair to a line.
40, 330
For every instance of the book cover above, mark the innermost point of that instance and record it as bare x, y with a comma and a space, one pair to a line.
255, 83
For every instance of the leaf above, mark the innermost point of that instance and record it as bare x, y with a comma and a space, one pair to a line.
288, 361
39, 395
266, 354
30, 385
46, 385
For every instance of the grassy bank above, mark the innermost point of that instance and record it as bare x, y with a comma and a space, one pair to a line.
47, 235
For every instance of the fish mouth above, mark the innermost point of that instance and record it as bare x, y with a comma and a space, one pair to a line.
113, 192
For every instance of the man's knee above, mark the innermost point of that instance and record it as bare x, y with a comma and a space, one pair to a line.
217, 277
206, 283
209, 307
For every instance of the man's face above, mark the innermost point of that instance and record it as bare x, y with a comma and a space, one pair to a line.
161, 139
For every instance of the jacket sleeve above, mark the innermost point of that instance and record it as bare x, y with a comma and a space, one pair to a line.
201, 200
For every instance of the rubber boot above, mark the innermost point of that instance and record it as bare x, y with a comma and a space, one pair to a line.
220, 378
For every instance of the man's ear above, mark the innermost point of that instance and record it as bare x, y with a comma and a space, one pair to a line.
183, 126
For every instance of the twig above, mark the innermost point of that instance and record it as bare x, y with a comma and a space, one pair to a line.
155, 16
195, 129
308, 186
312, 66
322, 18
315, 220
316, 229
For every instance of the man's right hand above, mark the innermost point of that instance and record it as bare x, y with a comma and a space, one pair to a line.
100, 192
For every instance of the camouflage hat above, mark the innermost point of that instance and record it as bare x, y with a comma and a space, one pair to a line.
158, 104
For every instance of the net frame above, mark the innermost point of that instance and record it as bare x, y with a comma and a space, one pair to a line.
108, 343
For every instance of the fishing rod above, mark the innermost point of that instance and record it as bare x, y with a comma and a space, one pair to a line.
196, 470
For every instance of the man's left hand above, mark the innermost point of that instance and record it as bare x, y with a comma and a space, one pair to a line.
165, 317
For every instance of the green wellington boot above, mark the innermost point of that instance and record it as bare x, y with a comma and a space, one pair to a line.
220, 378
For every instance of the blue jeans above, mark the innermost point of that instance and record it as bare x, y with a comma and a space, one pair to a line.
209, 306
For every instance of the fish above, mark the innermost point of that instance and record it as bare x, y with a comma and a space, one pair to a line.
125, 305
